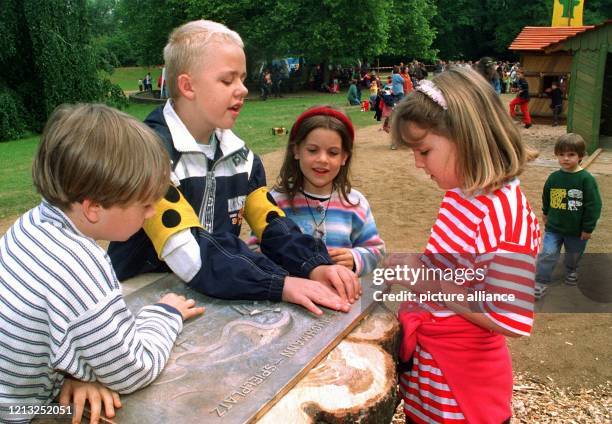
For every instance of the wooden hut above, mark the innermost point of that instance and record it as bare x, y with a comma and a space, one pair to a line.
590, 90
581, 55
541, 66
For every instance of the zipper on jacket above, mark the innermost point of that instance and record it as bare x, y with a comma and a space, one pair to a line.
207, 207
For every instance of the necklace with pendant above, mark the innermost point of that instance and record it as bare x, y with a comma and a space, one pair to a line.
318, 232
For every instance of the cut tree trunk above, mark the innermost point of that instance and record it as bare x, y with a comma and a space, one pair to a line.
355, 382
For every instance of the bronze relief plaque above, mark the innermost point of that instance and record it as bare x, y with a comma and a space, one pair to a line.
234, 362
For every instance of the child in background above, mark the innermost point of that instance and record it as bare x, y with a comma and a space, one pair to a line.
266, 85
556, 102
378, 104
571, 205
314, 190
62, 309
334, 86
461, 136
388, 102
373, 93
353, 95
521, 99
220, 182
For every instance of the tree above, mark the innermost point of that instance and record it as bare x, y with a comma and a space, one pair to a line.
318, 29
323, 30
147, 24
410, 31
47, 60
471, 29
102, 17
597, 11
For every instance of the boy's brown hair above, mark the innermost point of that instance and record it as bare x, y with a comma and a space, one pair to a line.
91, 151
490, 151
186, 47
571, 142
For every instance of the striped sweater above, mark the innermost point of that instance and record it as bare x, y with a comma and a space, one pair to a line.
62, 312
497, 231
340, 225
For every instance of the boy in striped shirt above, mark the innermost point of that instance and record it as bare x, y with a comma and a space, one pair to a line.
62, 314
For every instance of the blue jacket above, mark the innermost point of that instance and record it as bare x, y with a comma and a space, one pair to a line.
217, 192
398, 84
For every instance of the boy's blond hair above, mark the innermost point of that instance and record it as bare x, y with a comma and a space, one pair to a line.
186, 48
490, 151
91, 151
571, 142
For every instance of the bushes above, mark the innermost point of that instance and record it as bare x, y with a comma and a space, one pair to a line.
112, 94
46, 58
12, 115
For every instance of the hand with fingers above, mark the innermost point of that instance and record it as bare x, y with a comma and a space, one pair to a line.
309, 294
186, 307
342, 256
339, 278
78, 392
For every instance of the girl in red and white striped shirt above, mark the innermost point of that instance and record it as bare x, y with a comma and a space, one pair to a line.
485, 238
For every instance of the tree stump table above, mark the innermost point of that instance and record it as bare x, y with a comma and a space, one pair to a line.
355, 382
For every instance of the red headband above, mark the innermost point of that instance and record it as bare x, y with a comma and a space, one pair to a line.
327, 111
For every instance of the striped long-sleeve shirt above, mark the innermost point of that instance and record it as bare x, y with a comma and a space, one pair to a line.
497, 232
62, 312
337, 224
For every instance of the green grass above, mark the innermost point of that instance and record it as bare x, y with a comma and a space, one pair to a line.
127, 78
17, 194
257, 118
254, 125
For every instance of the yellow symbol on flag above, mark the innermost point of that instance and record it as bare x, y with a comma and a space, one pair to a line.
567, 12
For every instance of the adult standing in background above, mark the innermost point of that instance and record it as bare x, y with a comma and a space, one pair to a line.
148, 83
408, 87
276, 80
488, 69
397, 85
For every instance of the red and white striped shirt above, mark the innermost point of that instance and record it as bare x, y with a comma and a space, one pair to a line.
497, 231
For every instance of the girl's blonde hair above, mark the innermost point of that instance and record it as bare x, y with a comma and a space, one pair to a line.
186, 48
291, 179
490, 151
91, 151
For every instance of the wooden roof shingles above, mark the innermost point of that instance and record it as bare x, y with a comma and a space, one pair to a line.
539, 38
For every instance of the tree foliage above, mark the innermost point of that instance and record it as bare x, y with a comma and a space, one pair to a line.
147, 24
410, 31
46, 60
135, 31
471, 29
321, 30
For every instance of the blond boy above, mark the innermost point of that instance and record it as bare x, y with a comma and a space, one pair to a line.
224, 181
62, 310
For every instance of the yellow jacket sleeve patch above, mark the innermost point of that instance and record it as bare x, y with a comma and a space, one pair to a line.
259, 209
172, 214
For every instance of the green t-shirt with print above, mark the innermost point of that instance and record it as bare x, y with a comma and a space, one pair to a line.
571, 202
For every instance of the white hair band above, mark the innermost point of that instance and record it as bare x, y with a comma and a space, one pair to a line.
428, 88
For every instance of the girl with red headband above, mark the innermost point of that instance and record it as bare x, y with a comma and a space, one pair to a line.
314, 189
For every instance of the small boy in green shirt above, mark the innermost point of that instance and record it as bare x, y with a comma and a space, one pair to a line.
571, 204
